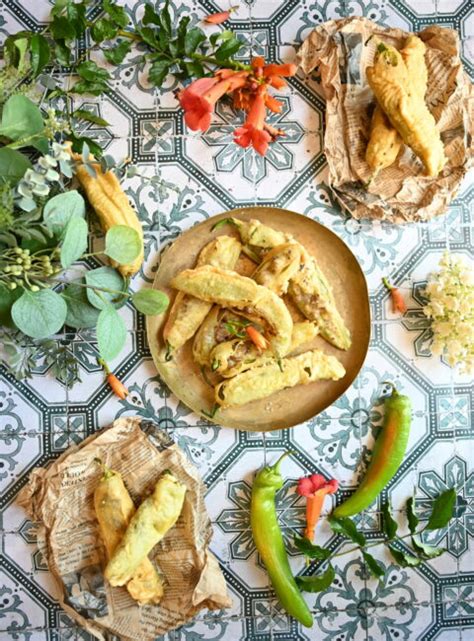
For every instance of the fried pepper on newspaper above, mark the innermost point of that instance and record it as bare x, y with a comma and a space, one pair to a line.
114, 509
393, 86
153, 519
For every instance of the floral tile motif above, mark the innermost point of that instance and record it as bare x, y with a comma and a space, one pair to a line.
183, 179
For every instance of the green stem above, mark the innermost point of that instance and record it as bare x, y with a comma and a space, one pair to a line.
23, 142
387, 284
129, 34
228, 64
373, 545
98, 289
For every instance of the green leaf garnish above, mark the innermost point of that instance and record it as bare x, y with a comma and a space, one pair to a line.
389, 525
74, 242
111, 333
347, 528
424, 550
373, 565
123, 244
443, 510
150, 301
310, 550
412, 518
39, 314
316, 583
404, 559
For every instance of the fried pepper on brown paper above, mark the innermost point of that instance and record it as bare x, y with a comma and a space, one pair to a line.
385, 141
114, 509
389, 79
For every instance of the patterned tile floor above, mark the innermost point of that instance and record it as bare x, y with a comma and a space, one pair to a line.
204, 175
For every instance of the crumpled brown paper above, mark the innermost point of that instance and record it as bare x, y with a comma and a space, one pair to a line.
60, 497
342, 49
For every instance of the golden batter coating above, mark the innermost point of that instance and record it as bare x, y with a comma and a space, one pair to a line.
114, 509
153, 519
187, 312
385, 141
278, 266
232, 357
261, 382
229, 289
390, 81
313, 296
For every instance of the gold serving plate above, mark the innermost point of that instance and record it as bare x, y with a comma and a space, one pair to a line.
290, 406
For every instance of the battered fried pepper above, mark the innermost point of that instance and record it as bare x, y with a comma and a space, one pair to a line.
153, 519
389, 79
233, 357
187, 312
385, 142
229, 289
313, 296
260, 382
114, 509
279, 265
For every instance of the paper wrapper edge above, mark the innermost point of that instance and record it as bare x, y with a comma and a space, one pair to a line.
59, 497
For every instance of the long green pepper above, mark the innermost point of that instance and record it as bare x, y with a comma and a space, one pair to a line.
389, 450
270, 545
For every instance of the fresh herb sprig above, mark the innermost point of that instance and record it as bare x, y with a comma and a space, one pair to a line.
441, 513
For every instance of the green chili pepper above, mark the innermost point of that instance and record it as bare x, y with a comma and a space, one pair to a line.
387, 456
270, 545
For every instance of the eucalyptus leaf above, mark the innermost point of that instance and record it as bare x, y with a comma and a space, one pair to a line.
39, 314
123, 244
347, 528
74, 242
373, 565
111, 333
389, 525
403, 558
424, 550
105, 278
412, 518
150, 301
310, 550
21, 118
316, 583
80, 313
59, 210
442, 510
13, 165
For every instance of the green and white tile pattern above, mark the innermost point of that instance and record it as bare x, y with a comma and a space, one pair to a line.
201, 176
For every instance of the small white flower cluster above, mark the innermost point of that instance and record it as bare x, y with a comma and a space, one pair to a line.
451, 309
35, 182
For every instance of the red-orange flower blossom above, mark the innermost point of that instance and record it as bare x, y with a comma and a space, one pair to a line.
199, 98
249, 90
219, 18
315, 488
398, 302
253, 134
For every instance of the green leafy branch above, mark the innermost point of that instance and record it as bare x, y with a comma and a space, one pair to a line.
182, 51
442, 512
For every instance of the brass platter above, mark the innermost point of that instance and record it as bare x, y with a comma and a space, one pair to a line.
291, 406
